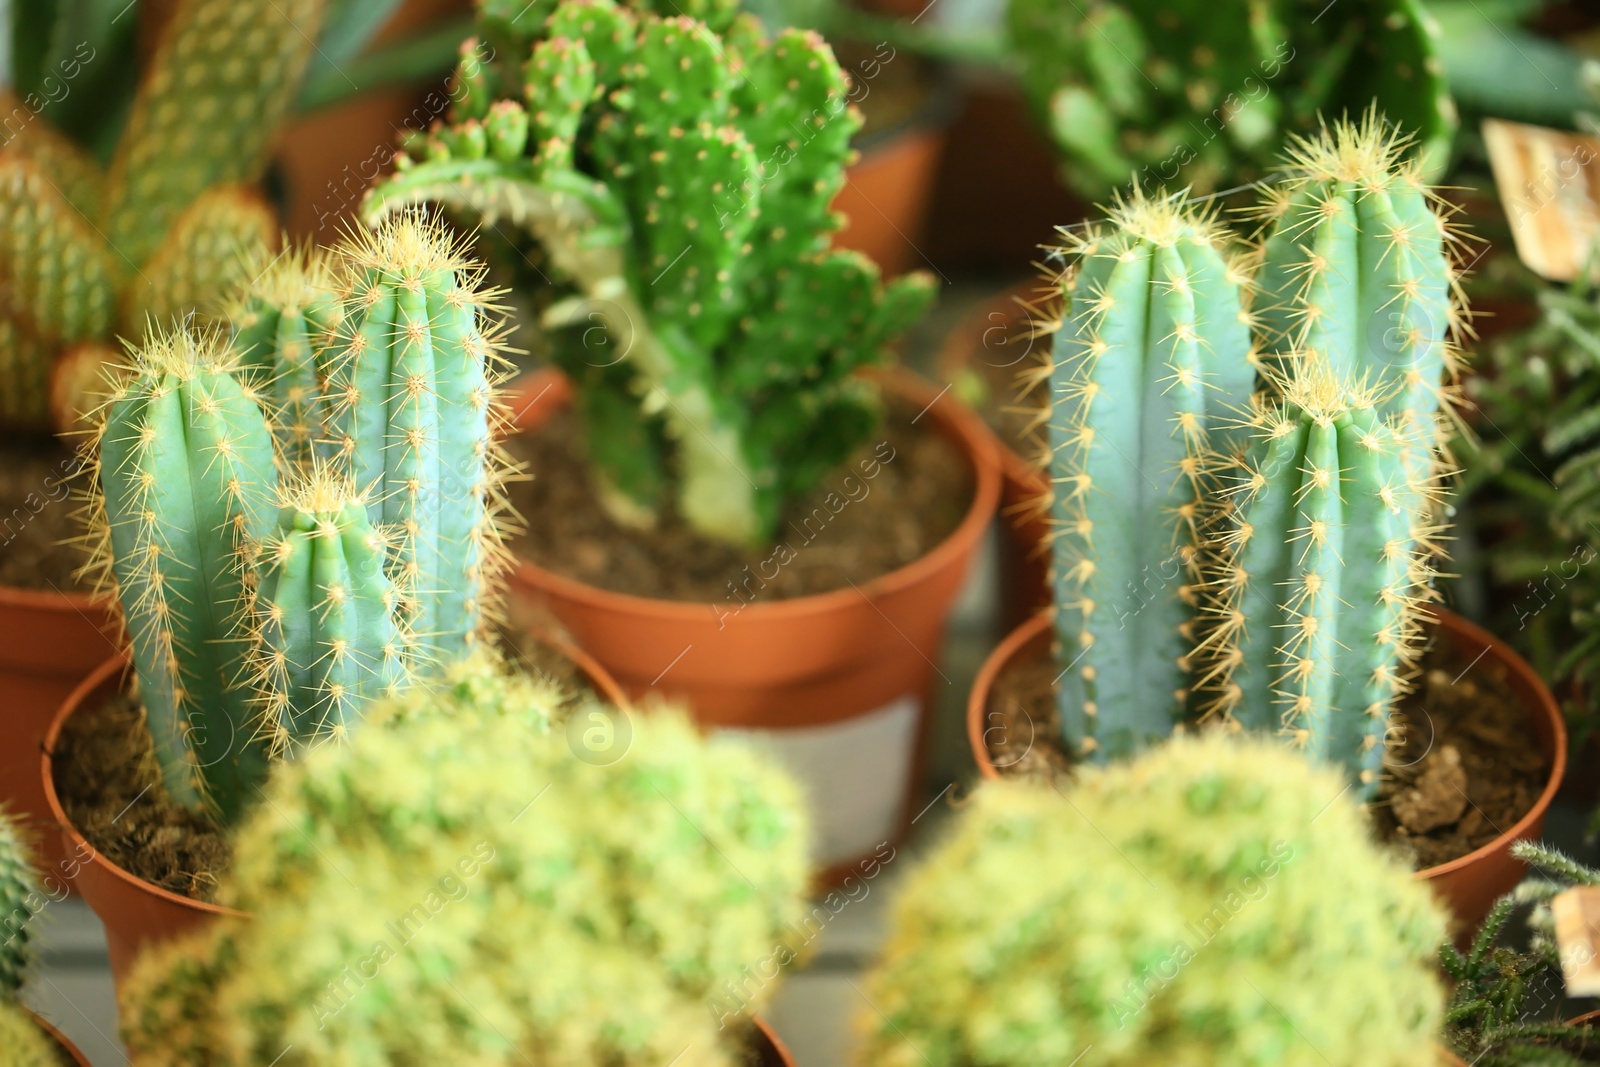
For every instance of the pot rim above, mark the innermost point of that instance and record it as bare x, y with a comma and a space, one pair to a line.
1544, 705
58, 1037
16, 597
770, 1035
957, 424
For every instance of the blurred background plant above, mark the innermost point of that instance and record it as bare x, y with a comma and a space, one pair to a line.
22, 1042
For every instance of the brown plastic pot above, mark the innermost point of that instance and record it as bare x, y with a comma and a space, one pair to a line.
135, 913
1468, 885
820, 679
49, 642
770, 1047
59, 1038
998, 332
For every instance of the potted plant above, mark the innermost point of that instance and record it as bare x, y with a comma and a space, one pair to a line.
1270, 570
674, 183
266, 597
29, 1041
1213, 901
517, 902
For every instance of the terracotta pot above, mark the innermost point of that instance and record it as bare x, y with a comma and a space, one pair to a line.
999, 333
135, 913
1468, 885
49, 642
836, 685
61, 1039
770, 1047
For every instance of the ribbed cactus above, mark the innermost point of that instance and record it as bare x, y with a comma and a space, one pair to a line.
470, 892
1214, 903
408, 413
679, 182
1200, 94
1357, 269
187, 494
1151, 367
22, 1042
85, 254
1324, 565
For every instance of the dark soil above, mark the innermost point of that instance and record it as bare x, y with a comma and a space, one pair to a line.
37, 518
110, 785
1468, 769
921, 491
1003, 358
889, 85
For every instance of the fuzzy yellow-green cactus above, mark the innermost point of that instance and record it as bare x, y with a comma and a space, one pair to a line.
23, 1043
1212, 903
455, 886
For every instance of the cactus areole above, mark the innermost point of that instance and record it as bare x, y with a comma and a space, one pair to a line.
677, 178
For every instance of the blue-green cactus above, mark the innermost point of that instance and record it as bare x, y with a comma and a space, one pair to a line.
1151, 368
679, 182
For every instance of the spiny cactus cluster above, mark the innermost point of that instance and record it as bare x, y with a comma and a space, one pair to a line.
273, 584
455, 887
24, 1044
86, 254
678, 176
1196, 94
1245, 469
1215, 903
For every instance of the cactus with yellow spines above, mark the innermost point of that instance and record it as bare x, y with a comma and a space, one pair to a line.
409, 413
1216, 902
1151, 365
1323, 565
24, 1044
86, 255
679, 176
514, 905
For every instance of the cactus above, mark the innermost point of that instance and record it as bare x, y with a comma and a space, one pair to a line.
1139, 91
86, 254
516, 904
408, 410
1215, 903
25, 1044
679, 182
1322, 571
1357, 267
1150, 366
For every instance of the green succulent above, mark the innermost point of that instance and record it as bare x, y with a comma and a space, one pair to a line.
676, 176
24, 1043
1211, 902
455, 887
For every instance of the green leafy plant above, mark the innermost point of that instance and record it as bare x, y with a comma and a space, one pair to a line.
471, 892
1243, 460
265, 609
1490, 1019
1215, 901
25, 1044
677, 176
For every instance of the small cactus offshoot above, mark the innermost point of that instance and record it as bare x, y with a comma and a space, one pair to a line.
1215, 902
471, 892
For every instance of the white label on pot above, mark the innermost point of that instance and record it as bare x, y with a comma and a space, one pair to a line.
855, 773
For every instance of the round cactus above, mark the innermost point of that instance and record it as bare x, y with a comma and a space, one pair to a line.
25, 1044
456, 887
1213, 903
19, 899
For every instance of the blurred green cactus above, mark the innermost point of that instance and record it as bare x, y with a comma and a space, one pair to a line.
24, 1044
1212, 903
679, 183
474, 893
1196, 94
86, 254
269, 594
1151, 366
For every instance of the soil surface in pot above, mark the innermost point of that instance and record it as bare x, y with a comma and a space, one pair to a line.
1004, 366
110, 786
918, 496
37, 517
889, 86
1468, 768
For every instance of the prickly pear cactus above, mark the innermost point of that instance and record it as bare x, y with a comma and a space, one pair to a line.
1324, 567
1213, 903
587, 914
679, 183
86, 255
1204, 95
1152, 365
